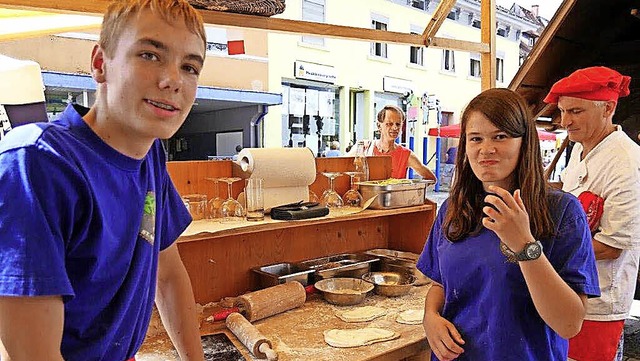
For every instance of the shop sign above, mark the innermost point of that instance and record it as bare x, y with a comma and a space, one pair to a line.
395, 85
317, 72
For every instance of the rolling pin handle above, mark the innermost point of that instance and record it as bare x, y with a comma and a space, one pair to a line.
310, 289
222, 315
265, 349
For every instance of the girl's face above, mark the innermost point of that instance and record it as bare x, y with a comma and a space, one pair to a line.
492, 153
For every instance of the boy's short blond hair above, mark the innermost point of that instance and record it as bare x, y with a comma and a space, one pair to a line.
121, 11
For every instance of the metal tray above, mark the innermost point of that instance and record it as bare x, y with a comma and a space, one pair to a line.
278, 273
408, 192
342, 265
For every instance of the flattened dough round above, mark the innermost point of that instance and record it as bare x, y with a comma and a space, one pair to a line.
410, 317
361, 314
358, 337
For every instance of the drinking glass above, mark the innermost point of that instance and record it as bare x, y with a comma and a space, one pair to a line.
331, 198
254, 195
196, 204
215, 203
313, 197
352, 197
231, 209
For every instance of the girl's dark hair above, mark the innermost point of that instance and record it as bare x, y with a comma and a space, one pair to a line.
508, 111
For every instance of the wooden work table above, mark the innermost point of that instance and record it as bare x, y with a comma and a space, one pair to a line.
297, 334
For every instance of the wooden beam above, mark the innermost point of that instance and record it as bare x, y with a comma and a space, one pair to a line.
439, 15
96, 7
11, 35
270, 24
488, 36
460, 45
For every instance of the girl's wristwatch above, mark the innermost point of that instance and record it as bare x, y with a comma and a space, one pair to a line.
531, 251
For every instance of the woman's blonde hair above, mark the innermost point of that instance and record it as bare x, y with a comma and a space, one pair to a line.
392, 108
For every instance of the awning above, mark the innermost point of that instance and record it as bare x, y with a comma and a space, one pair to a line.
453, 131
207, 98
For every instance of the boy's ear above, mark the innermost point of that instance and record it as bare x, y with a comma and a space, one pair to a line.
98, 69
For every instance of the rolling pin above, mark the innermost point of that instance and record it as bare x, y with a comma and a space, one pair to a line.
249, 335
267, 302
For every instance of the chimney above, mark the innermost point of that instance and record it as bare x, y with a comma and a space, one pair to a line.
534, 9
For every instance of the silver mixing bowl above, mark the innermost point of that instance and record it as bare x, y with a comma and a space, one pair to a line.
344, 291
391, 284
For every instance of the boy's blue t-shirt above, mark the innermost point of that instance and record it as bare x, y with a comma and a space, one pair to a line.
487, 299
81, 220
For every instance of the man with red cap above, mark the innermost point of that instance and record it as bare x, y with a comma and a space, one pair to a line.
604, 173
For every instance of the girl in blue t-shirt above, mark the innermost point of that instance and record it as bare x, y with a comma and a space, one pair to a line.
511, 258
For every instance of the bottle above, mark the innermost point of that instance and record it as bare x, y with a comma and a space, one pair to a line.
360, 161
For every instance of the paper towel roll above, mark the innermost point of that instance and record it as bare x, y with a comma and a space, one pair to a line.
287, 173
279, 167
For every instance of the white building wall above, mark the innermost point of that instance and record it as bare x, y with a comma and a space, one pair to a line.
356, 68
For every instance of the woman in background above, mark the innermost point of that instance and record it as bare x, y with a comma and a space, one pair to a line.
389, 122
511, 259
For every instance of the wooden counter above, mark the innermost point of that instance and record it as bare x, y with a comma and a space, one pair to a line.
219, 264
297, 334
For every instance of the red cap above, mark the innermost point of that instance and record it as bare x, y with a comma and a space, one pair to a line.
594, 83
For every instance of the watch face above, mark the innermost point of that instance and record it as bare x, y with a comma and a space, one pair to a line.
533, 250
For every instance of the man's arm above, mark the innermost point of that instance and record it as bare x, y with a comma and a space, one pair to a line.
420, 168
174, 299
31, 328
602, 251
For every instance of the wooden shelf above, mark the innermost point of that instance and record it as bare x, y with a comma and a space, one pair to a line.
253, 227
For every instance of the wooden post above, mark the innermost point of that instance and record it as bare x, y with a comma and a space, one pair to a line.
488, 35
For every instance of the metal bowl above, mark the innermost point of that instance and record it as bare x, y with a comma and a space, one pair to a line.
391, 284
344, 291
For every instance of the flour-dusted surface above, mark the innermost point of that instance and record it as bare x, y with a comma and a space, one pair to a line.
297, 335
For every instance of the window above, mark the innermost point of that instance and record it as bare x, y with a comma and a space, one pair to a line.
476, 24
500, 70
416, 53
379, 49
313, 10
503, 30
474, 66
448, 61
419, 4
454, 14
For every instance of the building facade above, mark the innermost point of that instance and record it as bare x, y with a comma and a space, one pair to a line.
333, 88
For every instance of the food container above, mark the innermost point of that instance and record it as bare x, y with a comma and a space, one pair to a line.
391, 284
344, 291
399, 261
276, 274
342, 265
395, 193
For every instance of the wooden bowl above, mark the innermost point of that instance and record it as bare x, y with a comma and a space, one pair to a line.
391, 284
344, 291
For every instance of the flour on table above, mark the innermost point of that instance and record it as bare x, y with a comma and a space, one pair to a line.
411, 317
358, 337
361, 314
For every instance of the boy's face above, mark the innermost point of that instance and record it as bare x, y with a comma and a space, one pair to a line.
151, 79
